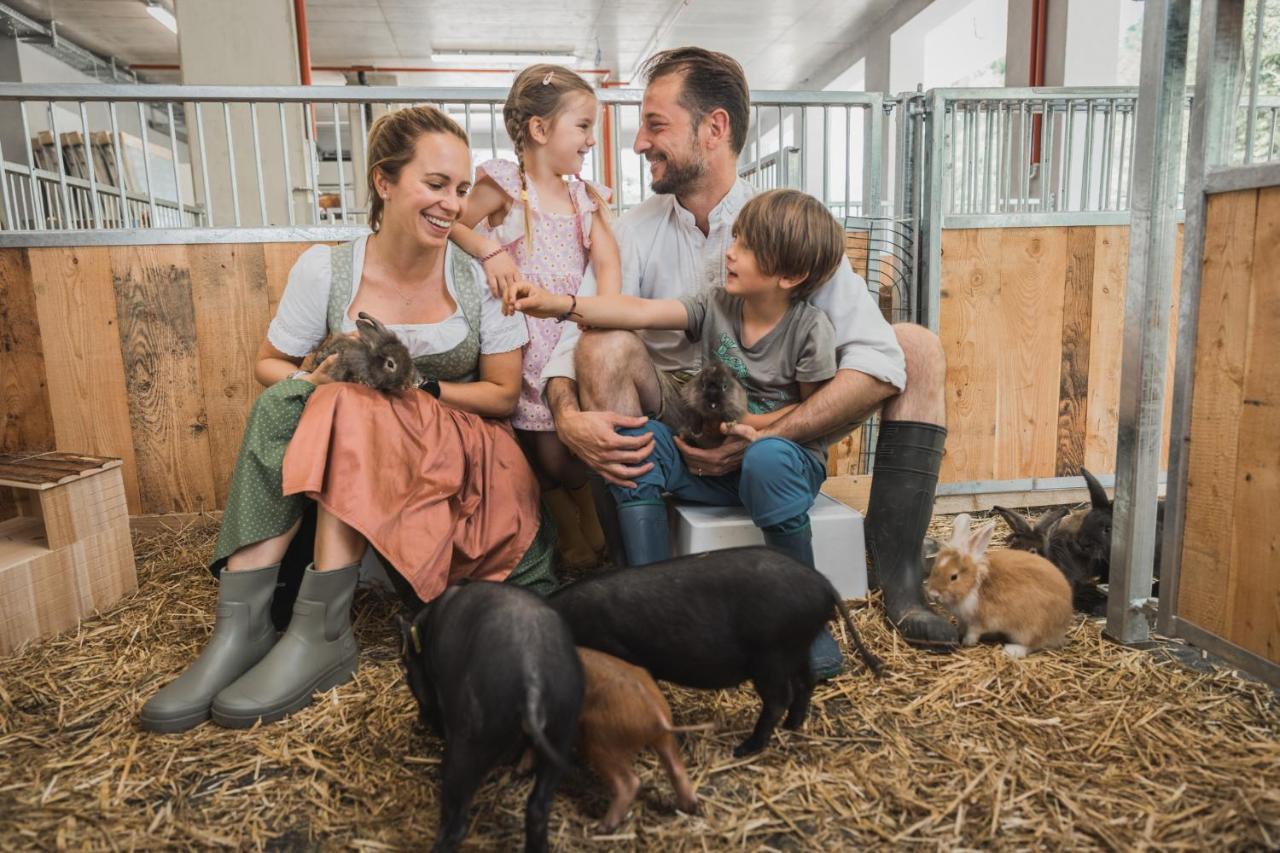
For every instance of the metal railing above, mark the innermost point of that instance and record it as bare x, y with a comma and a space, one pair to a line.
128, 158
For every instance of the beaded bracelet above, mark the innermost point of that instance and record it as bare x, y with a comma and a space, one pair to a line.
492, 255
573, 306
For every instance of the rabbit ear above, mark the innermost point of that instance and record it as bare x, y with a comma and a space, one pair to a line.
371, 328
960, 533
1050, 518
1015, 520
1097, 494
981, 539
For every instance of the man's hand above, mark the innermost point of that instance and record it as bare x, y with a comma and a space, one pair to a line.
592, 437
715, 461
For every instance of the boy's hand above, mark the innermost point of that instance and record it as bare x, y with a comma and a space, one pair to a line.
502, 274
530, 299
741, 430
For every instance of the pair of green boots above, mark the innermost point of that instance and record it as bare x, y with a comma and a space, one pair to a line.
246, 673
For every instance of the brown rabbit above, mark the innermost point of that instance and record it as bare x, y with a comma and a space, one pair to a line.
374, 357
712, 397
1019, 595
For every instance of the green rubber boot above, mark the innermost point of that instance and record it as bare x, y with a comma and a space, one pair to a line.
242, 636
317, 651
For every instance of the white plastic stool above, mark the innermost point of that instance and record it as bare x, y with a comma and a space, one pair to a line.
839, 548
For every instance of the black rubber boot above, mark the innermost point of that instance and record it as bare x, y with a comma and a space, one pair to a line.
825, 660
908, 456
644, 532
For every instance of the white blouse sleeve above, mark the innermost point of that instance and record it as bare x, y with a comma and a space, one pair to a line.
301, 320
498, 333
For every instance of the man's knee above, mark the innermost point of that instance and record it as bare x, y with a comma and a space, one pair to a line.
605, 353
926, 360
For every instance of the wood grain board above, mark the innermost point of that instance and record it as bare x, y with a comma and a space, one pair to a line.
147, 355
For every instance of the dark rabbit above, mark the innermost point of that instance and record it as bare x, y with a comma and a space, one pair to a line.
1024, 536
712, 397
1079, 543
375, 357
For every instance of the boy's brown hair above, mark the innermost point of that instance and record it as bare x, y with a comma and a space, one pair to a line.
393, 141
792, 234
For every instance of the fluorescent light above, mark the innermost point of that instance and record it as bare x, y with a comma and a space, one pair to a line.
165, 17
481, 59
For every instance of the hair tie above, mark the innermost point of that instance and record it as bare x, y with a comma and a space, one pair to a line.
547, 79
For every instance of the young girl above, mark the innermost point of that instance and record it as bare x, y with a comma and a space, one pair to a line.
533, 220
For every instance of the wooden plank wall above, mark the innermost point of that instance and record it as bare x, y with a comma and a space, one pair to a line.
1229, 583
1031, 320
145, 353
140, 352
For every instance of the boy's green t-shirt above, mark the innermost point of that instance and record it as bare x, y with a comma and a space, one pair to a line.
801, 348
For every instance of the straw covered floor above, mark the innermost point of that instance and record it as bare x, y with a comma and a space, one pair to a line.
1090, 746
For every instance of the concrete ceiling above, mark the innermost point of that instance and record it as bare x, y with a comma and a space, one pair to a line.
778, 42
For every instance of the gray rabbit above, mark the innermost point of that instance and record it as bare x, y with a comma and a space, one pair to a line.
374, 357
712, 397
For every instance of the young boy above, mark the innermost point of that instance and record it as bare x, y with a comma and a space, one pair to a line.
781, 349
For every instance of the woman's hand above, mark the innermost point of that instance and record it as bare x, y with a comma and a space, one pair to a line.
502, 274
530, 299
320, 375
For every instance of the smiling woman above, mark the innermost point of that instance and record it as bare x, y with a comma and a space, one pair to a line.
437, 488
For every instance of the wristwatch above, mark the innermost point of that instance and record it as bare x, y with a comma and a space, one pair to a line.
431, 386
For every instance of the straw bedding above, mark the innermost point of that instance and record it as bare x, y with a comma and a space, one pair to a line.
1090, 746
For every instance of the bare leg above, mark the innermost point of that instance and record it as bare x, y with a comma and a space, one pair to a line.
615, 374
268, 552
923, 400
338, 544
551, 460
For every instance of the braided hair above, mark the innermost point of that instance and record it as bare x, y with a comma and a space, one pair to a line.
540, 91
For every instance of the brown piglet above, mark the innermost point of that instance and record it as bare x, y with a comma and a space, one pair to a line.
623, 712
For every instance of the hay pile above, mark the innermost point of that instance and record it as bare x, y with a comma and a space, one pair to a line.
1093, 746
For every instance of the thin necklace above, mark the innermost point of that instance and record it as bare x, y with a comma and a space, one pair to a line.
406, 301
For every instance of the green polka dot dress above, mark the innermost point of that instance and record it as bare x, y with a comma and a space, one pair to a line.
257, 508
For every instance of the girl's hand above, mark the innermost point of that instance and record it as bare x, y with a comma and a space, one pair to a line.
530, 299
741, 430
502, 274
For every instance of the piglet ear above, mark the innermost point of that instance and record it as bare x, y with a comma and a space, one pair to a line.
981, 539
960, 533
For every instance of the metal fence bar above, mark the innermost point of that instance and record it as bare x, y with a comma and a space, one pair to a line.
126, 221
1255, 75
62, 167
204, 167
146, 162
4, 192
32, 184
257, 164
231, 162
342, 179
88, 158
1147, 296
173, 152
1210, 141
288, 174
309, 130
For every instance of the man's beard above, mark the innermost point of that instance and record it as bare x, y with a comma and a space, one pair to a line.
678, 178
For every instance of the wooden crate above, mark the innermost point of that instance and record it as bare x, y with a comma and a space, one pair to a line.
67, 552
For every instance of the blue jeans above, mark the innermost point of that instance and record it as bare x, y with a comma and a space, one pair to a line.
777, 483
